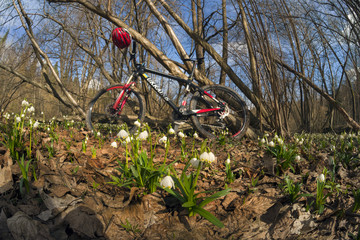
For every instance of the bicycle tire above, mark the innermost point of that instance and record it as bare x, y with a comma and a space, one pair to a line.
100, 117
234, 123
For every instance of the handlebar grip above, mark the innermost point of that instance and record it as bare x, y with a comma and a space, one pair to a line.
134, 46
132, 53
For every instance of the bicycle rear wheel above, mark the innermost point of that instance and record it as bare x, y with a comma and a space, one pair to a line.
101, 117
233, 121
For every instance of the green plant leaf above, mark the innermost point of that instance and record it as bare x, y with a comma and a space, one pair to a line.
188, 204
214, 196
211, 218
175, 194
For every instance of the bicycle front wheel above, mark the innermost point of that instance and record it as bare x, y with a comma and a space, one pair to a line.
102, 117
232, 121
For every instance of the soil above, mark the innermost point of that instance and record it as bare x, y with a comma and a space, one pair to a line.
72, 199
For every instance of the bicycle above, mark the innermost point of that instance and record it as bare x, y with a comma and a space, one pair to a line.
213, 109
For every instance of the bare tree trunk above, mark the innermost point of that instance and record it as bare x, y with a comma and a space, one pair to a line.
225, 52
39, 53
253, 65
332, 101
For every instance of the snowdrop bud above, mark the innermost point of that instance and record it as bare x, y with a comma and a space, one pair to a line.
114, 145
36, 124
297, 158
181, 134
171, 131
24, 103
321, 178
137, 123
143, 135
194, 162
196, 135
263, 140
122, 134
167, 182
227, 161
31, 109
163, 139
271, 144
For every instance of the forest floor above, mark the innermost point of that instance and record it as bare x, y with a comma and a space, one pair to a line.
72, 197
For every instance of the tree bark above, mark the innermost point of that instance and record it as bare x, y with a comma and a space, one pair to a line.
332, 101
39, 53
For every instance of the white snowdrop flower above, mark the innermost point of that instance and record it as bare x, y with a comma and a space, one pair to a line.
24, 103
271, 144
42, 113
114, 144
297, 158
321, 178
17, 119
263, 140
137, 123
163, 140
181, 134
212, 157
195, 162
22, 115
207, 157
122, 134
204, 156
127, 140
280, 141
227, 161
48, 129
267, 135
341, 137
196, 135
36, 124
332, 148
31, 109
167, 182
7, 116
143, 135
301, 142
171, 131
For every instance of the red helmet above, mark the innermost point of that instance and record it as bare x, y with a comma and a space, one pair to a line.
121, 37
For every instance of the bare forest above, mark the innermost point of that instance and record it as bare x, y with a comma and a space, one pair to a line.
293, 66
296, 63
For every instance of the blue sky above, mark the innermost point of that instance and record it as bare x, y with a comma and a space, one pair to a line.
8, 17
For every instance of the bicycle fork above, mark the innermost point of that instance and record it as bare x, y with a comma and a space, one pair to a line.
121, 100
